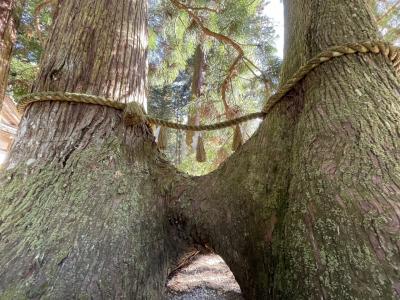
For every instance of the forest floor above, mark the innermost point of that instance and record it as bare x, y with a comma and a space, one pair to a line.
206, 278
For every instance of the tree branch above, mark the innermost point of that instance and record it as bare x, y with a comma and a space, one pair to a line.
265, 80
388, 12
232, 72
224, 39
214, 10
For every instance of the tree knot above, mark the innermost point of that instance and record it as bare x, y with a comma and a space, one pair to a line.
134, 114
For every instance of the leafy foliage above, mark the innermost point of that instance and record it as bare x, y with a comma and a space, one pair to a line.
22, 75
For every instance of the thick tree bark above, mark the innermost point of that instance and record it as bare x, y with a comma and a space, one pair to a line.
82, 215
307, 208
7, 40
346, 147
310, 206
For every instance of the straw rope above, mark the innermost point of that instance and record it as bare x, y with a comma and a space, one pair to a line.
134, 114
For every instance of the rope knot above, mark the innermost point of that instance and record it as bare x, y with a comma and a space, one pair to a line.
134, 114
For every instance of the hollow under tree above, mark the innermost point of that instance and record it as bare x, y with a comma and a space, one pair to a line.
309, 207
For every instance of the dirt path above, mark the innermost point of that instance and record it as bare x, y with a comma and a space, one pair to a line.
206, 278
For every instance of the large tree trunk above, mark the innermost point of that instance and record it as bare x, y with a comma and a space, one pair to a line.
344, 193
307, 208
81, 213
310, 206
7, 40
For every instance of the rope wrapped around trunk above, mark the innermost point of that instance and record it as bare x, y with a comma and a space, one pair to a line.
135, 114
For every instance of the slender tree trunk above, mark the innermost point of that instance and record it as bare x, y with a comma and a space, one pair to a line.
197, 83
7, 40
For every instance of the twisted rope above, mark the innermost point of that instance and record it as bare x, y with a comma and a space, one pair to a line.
134, 114
375, 47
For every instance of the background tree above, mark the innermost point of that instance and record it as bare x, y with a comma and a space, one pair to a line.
9, 18
35, 22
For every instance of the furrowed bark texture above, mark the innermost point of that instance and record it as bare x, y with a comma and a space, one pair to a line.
7, 40
344, 195
82, 214
310, 207
92, 39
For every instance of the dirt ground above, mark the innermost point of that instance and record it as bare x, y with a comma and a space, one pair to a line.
206, 278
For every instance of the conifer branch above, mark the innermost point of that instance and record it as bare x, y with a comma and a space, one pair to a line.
36, 14
214, 10
224, 39
232, 71
389, 11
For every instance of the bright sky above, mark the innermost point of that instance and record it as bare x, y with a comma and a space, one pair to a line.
274, 10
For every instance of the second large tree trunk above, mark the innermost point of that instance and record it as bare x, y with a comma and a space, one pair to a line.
310, 207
